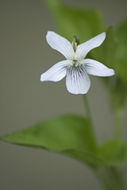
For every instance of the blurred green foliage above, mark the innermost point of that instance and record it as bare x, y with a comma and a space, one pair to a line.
71, 21
113, 54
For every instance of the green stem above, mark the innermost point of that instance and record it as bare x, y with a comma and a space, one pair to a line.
111, 178
88, 114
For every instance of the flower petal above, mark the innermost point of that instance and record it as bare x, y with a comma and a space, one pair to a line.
96, 68
84, 48
60, 44
56, 72
77, 80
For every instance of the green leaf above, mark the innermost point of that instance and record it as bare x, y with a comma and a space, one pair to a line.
113, 152
81, 22
110, 154
71, 135
65, 132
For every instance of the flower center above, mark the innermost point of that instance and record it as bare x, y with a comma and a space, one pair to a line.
75, 62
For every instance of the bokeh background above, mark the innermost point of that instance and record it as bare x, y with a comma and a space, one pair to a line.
24, 100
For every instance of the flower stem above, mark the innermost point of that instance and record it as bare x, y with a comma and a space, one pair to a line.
88, 114
111, 178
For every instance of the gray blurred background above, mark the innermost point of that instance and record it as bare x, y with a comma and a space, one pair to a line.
25, 101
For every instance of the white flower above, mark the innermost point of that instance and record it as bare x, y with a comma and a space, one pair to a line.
76, 68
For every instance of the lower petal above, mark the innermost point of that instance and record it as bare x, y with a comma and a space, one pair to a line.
56, 73
77, 80
96, 68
